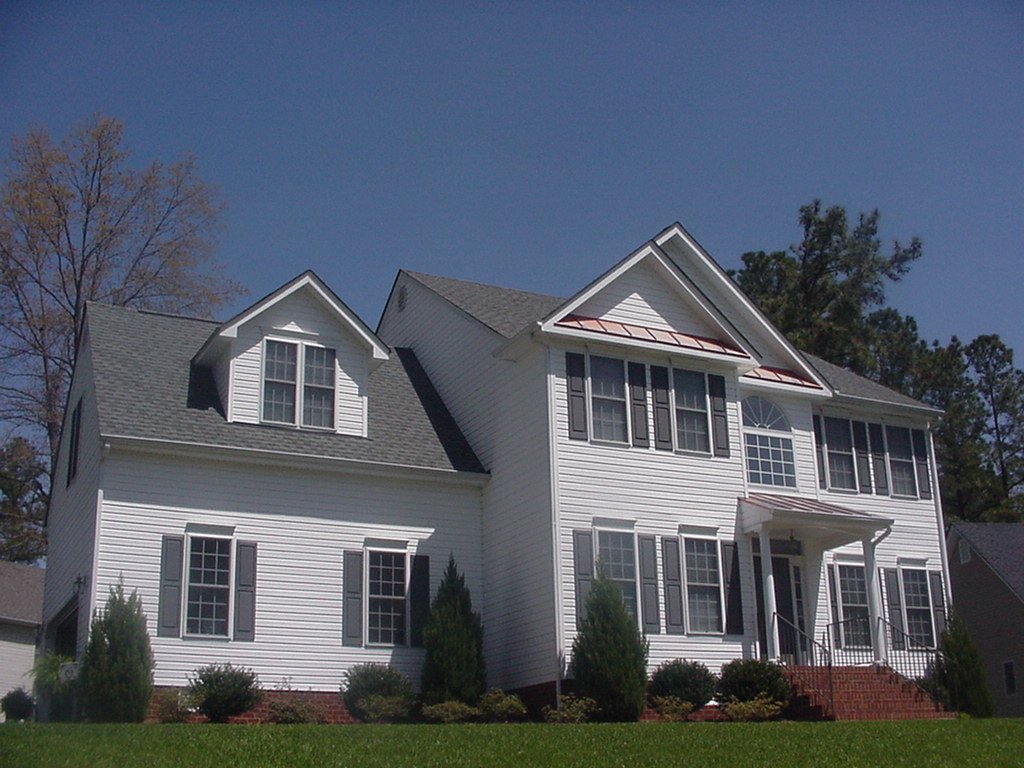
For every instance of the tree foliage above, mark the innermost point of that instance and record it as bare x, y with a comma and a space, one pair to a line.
821, 292
79, 224
960, 674
116, 675
609, 655
453, 669
22, 502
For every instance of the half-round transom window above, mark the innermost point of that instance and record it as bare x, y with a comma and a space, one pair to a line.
764, 414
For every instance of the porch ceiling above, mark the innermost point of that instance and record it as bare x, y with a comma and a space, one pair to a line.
829, 524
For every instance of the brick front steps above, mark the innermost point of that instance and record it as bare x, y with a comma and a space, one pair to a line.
859, 693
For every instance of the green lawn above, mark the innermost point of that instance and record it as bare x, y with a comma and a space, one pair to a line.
971, 743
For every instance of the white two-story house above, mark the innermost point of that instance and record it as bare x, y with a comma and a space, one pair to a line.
284, 488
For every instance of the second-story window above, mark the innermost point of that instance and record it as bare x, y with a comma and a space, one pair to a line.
608, 398
769, 448
901, 461
841, 472
282, 387
691, 404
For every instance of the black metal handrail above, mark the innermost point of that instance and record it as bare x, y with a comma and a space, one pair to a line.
808, 652
916, 661
851, 642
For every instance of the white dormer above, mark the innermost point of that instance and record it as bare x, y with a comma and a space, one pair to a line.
299, 358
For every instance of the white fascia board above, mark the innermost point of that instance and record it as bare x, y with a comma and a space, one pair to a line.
378, 350
886, 406
676, 231
259, 457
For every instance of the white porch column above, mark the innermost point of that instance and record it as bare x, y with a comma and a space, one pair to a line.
874, 600
768, 578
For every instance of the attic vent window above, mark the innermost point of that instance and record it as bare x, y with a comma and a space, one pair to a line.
403, 297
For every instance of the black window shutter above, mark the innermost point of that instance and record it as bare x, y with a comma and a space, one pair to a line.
819, 451
719, 419
172, 557
575, 376
733, 590
245, 591
419, 598
583, 559
673, 586
860, 449
352, 605
638, 404
938, 603
833, 593
924, 486
649, 584
878, 459
662, 408
894, 598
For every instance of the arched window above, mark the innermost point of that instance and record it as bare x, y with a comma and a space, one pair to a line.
769, 454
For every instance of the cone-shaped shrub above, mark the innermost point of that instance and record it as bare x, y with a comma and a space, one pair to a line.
959, 672
116, 675
609, 655
453, 637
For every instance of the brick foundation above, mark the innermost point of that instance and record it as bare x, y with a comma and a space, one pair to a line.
328, 706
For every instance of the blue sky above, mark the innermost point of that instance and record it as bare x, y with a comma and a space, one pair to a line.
532, 145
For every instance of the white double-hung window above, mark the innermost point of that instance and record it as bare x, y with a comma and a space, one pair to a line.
703, 585
901, 461
768, 445
298, 380
693, 431
616, 552
386, 598
608, 398
208, 587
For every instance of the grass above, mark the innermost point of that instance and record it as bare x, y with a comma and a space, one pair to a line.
836, 745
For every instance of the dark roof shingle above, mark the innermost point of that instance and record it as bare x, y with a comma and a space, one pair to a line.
1001, 545
147, 388
21, 593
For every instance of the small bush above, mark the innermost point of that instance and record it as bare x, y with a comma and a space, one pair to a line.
748, 679
47, 682
293, 712
688, 681
572, 709
959, 680
672, 708
609, 655
221, 691
116, 674
500, 707
17, 704
377, 693
761, 707
384, 709
450, 712
172, 706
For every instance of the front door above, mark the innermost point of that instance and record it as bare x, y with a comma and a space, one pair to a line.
787, 604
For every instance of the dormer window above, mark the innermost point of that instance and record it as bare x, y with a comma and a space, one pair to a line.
282, 362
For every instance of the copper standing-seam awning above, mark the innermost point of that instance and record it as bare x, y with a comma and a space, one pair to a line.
803, 517
652, 335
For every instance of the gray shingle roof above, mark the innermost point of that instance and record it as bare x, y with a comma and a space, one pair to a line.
21, 593
509, 311
1001, 545
504, 310
146, 388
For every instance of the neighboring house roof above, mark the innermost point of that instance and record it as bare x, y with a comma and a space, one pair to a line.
21, 593
147, 389
509, 311
1001, 546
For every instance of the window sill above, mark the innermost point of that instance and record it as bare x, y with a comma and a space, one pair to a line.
612, 444
215, 638
696, 454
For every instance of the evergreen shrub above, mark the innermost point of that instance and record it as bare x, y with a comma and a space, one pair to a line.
761, 707
609, 655
571, 709
375, 692
672, 708
115, 677
293, 712
748, 679
220, 691
500, 707
959, 675
17, 704
453, 669
688, 681
450, 712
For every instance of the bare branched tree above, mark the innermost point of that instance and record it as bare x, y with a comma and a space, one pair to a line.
78, 224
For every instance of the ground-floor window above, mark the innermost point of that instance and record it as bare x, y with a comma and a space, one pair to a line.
616, 552
918, 606
386, 618
209, 586
853, 606
703, 585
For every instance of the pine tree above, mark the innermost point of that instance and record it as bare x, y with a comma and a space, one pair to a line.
453, 637
116, 675
960, 674
609, 655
